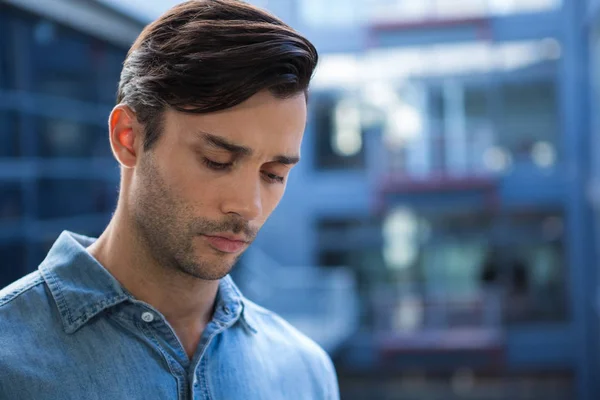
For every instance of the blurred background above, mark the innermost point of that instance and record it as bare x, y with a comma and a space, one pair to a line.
440, 237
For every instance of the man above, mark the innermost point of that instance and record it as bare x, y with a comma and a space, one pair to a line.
210, 117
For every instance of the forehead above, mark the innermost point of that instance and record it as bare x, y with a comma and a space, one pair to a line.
261, 122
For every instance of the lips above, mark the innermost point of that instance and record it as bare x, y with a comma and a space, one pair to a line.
226, 245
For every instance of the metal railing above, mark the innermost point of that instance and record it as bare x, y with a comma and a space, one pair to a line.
412, 322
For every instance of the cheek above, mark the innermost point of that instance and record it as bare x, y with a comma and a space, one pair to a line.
200, 197
193, 184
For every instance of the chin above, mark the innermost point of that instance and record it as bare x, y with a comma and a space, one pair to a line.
212, 274
216, 269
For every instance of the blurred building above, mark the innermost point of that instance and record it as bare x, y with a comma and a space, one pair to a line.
59, 68
451, 162
447, 162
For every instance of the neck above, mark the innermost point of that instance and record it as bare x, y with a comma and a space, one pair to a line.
185, 301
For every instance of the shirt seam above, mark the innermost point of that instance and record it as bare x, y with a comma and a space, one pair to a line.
87, 313
18, 292
59, 297
172, 363
204, 380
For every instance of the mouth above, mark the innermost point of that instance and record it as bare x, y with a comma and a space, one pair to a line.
226, 243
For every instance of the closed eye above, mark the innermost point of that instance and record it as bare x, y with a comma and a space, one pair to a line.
216, 166
272, 178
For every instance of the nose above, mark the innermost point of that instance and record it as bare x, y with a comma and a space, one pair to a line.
243, 198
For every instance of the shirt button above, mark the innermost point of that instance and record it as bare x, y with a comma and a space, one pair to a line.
148, 317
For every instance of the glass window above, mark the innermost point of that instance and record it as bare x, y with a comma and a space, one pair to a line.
536, 270
112, 62
479, 127
482, 127
12, 267
369, 271
518, 257
71, 197
4, 51
528, 118
595, 120
41, 246
42, 56
64, 138
451, 266
437, 113
56, 71
9, 134
337, 133
458, 109
11, 201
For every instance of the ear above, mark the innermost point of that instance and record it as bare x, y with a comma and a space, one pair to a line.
125, 135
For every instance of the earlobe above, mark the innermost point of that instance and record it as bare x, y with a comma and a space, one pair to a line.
123, 138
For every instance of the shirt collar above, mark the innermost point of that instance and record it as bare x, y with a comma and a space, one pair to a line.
82, 288
231, 301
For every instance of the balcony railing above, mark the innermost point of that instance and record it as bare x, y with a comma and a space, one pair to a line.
412, 322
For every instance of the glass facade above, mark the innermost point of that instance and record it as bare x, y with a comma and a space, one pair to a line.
520, 255
337, 145
461, 109
57, 86
9, 134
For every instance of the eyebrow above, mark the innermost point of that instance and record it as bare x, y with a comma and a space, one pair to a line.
239, 150
286, 160
222, 143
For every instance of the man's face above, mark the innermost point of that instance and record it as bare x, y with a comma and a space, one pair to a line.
206, 187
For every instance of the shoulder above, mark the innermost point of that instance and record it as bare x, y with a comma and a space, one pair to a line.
21, 290
282, 336
28, 323
25, 318
24, 307
277, 328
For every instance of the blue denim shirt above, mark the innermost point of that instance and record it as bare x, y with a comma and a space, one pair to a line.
70, 331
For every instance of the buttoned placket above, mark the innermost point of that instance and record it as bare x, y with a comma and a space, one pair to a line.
163, 339
224, 318
155, 328
190, 377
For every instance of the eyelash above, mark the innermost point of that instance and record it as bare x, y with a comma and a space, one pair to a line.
273, 178
215, 166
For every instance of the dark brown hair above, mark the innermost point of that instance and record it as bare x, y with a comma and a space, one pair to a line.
208, 55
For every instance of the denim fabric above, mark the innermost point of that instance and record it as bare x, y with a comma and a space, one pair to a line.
70, 331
